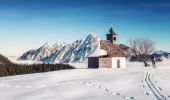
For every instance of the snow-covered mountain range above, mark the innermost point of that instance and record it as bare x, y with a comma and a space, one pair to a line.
77, 51
162, 54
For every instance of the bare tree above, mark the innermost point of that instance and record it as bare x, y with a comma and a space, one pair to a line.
141, 48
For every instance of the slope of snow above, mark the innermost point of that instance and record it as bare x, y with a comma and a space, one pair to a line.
38, 54
131, 83
58, 46
161, 79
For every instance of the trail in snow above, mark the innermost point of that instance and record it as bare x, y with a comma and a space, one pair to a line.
156, 93
71, 83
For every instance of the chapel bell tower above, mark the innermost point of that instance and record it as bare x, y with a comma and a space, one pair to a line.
111, 36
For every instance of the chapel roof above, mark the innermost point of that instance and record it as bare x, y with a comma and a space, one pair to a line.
113, 50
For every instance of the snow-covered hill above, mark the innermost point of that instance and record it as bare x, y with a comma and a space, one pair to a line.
131, 83
162, 53
77, 51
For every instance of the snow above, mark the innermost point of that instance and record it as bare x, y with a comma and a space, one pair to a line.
80, 65
102, 52
77, 51
132, 83
38, 54
97, 51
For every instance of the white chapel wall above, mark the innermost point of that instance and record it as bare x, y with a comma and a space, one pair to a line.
122, 62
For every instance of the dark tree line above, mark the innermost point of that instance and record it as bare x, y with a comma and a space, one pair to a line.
7, 68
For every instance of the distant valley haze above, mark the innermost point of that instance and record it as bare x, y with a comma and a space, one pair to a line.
28, 24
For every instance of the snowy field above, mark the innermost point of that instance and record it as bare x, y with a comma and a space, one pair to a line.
132, 83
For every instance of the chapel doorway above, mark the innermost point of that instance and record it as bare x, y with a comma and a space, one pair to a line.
118, 63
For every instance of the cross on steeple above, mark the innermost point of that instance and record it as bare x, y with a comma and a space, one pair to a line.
111, 36
111, 31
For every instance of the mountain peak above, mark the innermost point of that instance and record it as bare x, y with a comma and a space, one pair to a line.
58, 45
92, 35
46, 45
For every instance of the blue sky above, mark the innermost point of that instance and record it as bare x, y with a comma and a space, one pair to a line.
28, 24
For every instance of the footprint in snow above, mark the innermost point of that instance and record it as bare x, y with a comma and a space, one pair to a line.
146, 93
87, 83
130, 98
143, 75
114, 94
160, 88
168, 96
117, 93
105, 90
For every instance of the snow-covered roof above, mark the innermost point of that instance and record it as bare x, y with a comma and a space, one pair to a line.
98, 52
102, 52
106, 48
